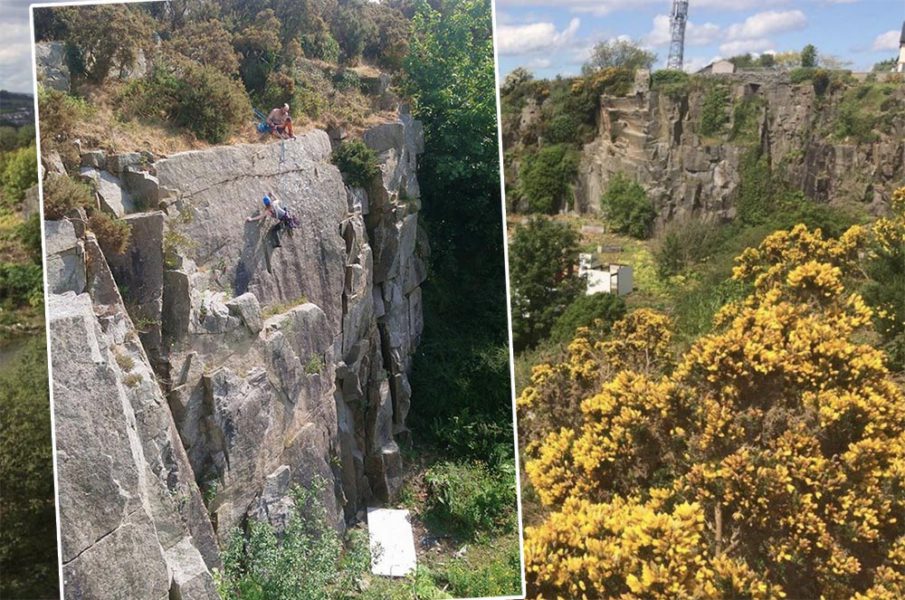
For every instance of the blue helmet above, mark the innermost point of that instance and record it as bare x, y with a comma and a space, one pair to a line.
266, 200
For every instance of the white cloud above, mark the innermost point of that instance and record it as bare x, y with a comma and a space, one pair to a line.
744, 46
522, 39
767, 23
695, 35
538, 63
887, 41
594, 7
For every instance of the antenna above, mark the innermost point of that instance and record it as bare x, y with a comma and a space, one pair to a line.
677, 34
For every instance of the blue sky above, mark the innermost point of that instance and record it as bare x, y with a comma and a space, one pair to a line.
551, 37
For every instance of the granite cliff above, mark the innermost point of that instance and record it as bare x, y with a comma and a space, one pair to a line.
656, 136
202, 373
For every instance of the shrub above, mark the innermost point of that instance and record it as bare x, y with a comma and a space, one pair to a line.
545, 177
113, 235
468, 499
598, 311
714, 115
209, 103
561, 129
321, 45
21, 285
357, 162
59, 112
346, 79
197, 97
208, 43
686, 243
354, 30
627, 207
305, 562
29, 232
19, 172
671, 82
809, 56
62, 194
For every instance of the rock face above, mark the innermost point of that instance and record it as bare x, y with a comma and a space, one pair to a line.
205, 363
655, 139
50, 59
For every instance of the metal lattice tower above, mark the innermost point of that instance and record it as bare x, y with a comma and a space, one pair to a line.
677, 34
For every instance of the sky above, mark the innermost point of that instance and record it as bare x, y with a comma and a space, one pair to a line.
555, 37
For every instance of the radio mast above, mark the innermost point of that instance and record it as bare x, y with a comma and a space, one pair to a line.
677, 34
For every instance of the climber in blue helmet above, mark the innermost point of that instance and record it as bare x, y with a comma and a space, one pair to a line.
272, 207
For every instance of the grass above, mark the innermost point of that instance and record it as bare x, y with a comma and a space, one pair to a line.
132, 379
278, 309
315, 365
125, 362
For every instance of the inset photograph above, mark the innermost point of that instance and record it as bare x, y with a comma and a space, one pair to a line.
277, 300
706, 211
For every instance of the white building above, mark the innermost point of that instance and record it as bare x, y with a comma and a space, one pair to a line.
720, 67
609, 279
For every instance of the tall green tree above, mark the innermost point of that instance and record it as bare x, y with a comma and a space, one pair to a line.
543, 257
809, 56
622, 54
463, 355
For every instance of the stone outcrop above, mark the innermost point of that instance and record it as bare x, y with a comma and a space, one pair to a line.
50, 60
655, 138
210, 371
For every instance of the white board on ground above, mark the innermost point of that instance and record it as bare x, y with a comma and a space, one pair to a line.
392, 542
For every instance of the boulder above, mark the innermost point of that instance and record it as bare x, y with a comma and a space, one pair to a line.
114, 199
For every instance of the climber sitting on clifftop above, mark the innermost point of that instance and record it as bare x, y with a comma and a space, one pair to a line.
280, 122
273, 208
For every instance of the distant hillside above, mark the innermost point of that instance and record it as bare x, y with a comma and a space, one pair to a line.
16, 109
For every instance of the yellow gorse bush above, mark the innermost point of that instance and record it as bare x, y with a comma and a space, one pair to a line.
769, 462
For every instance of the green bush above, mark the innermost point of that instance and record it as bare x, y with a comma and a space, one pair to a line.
29, 232
59, 112
467, 499
306, 562
561, 129
346, 79
19, 172
486, 576
627, 207
113, 236
21, 285
685, 244
199, 98
598, 311
714, 113
321, 45
62, 194
546, 176
671, 82
358, 162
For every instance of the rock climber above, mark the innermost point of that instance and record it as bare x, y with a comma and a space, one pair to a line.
280, 122
273, 208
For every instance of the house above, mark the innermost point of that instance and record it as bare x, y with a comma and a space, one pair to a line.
720, 67
609, 279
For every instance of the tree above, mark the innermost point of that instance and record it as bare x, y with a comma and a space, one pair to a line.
354, 29
767, 60
543, 259
546, 176
618, 53
463, 355
809, 56
107, 36
627, 207
516, 78
766, 464
885, 66
208, 43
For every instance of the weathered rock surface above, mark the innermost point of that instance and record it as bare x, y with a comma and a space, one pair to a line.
50, 59
654, 138
254, 368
